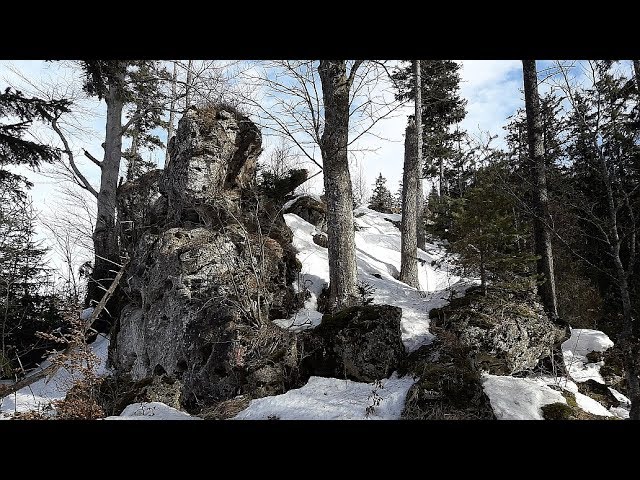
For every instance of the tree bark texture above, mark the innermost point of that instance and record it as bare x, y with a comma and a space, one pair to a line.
105, 238
542, 235
337, 184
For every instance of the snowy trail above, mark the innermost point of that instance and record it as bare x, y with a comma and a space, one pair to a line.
378, 260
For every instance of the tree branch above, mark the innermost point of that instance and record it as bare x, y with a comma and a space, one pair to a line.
92, 158
80, 178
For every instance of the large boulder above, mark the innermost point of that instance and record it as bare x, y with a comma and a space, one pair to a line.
362, 343
209, 273
448, 385
505, 332
310, 208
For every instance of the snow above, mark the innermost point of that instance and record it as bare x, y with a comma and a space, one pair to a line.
152, 411
377, 255
332, 399
620, 412
41, 393
519, 398
625, 404
575, 350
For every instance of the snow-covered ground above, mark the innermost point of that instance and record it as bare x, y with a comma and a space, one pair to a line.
522, 398
152, 411
333, 399
378, 260
575, 350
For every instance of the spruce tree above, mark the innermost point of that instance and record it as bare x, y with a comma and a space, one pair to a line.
26, 307
442, 107
17, 114
485, 233
381, 199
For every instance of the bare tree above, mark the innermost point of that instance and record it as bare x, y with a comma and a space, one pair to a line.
542, 234
324, 107
359, 180
336, 84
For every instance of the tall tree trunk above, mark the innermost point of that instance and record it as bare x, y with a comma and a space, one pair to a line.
628, 341
131, 168
172, 111
187, 94
542, 235
420, 214
636, 69
337, 183
440, 178
412, 162
104, 236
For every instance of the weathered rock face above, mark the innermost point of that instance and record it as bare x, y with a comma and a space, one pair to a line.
209, 272
140, 203
310, 209
360, 343
505, 334
215, 150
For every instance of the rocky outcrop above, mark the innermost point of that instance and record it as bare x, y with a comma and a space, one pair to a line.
321, 240
505, 332
449, 386
215, 151
311, 209
362, 343
211, 263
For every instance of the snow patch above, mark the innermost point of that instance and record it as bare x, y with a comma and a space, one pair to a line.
519, 398
152, 411
574, 351
333, 399
378, 261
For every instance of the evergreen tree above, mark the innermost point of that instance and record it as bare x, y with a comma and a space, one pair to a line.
18, 113
442, 107
146, 115
485, 233
381, 199
26, 308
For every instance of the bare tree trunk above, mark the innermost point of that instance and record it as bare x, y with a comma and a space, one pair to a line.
172, 112
131, 168
420, 215
412, 155
187, 93
104, 236
337, 183
636, 69
440, 178
627, 339
542, 235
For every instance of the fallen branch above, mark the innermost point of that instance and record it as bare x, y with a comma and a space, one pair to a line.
51, 369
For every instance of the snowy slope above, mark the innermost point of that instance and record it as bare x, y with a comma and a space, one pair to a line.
378, 255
